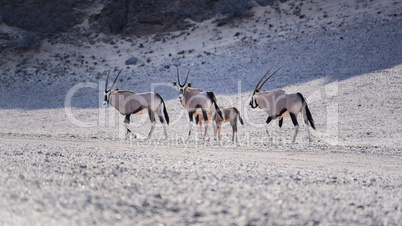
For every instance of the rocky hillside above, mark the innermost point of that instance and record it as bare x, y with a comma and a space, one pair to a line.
25, 22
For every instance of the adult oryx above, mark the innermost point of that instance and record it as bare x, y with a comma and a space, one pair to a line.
130, 103
196, 102
278, 104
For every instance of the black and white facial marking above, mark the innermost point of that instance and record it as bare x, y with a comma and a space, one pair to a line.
181, 88
107, 91
253, 103
106, 99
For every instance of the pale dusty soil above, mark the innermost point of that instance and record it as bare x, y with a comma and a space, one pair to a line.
69, 166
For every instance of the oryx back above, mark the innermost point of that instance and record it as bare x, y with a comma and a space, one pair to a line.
279, 103
128, 102
195, 98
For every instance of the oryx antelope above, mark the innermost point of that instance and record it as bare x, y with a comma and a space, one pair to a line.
130, 103
278, 104
230, 114
196, 102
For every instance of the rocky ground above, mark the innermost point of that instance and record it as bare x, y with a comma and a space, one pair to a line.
64, 160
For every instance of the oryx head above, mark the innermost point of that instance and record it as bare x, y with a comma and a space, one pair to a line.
181, 88
253, 102
107, 91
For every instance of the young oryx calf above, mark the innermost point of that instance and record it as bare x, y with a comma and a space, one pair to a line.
130, 103
230, 114
199, 120
278, 104
195, 100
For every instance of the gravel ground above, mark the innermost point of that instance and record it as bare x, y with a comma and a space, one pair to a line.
75, 182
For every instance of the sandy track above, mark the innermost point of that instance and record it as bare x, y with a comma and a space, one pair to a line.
370, 159
46, 181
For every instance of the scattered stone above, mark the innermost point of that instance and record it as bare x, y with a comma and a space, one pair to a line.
131, 61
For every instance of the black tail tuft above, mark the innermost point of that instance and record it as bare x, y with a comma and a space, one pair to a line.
308, 113
310, 118
238, 114
212, 97
218, 110
165, 112
164, 108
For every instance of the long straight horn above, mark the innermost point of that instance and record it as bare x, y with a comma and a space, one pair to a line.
178, 74
107, 80
263, 77
188, 73
269, 78
114, 82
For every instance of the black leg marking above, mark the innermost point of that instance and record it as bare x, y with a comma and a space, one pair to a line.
197, 119
190, 115
161, 119
127, 119
294, 119
269, 119
280, 122
204, 113
151, 115
138, 109
282, 111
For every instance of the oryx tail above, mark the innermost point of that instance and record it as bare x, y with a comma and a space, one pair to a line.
211, 96
238, 114
306, 112
165, 112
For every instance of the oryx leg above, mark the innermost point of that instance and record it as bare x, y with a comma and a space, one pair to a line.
296, 124
125, 124
152, 118
308, 129
269, 119
199, 123
204, 114
234, 129
280, 129
235, 133
162, 120
214, 124
190, 117
218, 128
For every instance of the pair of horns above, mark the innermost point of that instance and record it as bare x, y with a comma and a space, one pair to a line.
178, 76
114, 82
260, 86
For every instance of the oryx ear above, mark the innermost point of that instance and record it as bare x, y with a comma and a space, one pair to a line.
174, 83
189, 84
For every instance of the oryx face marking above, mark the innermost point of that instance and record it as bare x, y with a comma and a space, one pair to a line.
181, 89
253, 102
106, 99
